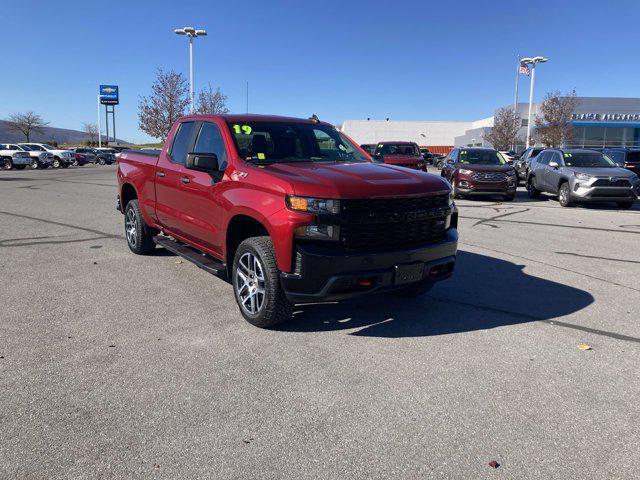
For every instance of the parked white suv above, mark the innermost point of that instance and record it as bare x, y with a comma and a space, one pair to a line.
61, 158
13, 157
39, 159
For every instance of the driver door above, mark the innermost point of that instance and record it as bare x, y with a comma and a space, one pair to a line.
552, 175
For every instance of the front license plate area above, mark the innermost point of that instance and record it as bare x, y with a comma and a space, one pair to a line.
408, 273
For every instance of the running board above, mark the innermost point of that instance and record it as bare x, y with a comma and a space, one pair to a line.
196, 257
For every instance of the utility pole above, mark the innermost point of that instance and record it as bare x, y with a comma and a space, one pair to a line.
191, 33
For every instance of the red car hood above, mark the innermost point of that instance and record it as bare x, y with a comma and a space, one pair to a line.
401, 159
356, 180
487, 168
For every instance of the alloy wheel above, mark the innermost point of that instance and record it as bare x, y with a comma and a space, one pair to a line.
250, 283
131, 227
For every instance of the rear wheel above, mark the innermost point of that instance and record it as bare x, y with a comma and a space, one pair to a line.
625, 205
564, 195
139, 235
256, 285
35, 164
532, 191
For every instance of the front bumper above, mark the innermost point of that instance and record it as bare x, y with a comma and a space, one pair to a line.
583, 193
468, 186
324, 273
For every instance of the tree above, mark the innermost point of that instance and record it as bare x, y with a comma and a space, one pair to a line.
27, 123
553, 123
504, 133
212, 102
167, 102
91, 129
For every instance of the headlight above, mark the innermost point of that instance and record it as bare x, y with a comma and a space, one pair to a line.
318, 232
583, 176
464, 171
313, 205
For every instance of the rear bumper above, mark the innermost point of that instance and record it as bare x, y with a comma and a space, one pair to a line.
325, 274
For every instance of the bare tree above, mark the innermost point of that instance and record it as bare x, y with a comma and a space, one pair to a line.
553, 123
27, 123
91, 129
167, 102
212, 102
504, 132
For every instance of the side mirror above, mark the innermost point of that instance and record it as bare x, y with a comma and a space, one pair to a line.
204, 162
553, 164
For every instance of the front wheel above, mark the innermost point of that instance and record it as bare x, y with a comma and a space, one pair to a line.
139, 235
8, 164
34, 164
256, 284
625, 205
564, 195
56, 162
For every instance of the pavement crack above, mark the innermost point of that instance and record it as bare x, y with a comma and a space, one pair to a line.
610, 259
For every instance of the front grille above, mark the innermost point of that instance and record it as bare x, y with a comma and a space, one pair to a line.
606, 182
489, 176
393, 222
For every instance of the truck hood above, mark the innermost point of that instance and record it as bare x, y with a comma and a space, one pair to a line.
356, 180
602, 172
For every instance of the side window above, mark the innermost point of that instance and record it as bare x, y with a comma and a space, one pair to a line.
557, 158
182, 143
453, 156
543, 158
210, 141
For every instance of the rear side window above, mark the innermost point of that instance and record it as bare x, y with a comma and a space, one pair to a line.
182, 143
210, 141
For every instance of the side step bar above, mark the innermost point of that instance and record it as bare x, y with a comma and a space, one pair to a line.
196, 257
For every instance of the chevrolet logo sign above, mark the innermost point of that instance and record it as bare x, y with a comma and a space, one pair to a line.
108, 90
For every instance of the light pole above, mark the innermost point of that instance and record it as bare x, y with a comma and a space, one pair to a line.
532, 62
191, 33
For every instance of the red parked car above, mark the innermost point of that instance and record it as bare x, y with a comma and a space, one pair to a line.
479, 171
289, 210
403, 154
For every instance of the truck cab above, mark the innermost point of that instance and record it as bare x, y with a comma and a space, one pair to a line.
288, 210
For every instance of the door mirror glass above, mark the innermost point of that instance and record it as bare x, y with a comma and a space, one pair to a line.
204, 162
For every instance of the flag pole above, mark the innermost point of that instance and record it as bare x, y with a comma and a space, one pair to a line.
515, 101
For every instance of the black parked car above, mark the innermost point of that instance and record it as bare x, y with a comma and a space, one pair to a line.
521, 165
628, 158
96, 156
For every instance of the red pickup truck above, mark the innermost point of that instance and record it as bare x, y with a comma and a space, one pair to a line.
404, 154
288, 210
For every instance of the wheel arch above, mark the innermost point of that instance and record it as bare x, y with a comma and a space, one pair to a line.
127, 193
240, 227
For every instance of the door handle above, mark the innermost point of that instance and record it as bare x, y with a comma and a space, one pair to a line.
185, 180
160, 174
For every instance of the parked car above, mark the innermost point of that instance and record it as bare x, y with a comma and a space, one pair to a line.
13, 157
368, 147
522, 164
578, 175
403, 154
119, 148
427, 155
438, 160
628, 158
289, 209
479, 171
509, 157
94, 155
61, 158
39, 158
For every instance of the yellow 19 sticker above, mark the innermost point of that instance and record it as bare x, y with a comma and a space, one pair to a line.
244, 129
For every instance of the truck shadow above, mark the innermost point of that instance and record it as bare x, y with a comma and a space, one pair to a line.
484, 293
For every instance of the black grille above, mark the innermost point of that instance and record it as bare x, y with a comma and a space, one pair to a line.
489, 177
605, 182
394, 222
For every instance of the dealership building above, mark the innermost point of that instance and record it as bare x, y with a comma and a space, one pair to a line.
596, 122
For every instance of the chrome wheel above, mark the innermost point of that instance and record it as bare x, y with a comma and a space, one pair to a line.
250, 283
131, 227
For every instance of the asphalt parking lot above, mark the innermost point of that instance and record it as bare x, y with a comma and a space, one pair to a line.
117, 366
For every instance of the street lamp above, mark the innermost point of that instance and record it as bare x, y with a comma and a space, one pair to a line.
191, 33
532, 62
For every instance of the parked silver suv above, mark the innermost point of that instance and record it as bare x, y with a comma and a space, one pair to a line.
581, 176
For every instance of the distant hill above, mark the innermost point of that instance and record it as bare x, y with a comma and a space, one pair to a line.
49, 135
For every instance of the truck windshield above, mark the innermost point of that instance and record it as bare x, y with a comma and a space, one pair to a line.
280, 142
480, 157
588, 160
398, 149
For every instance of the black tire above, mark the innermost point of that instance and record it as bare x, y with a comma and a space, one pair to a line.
35, 164
8, 163
625, 205
564, 195
75, 163
56, 163
275, 308
532, 191
139, 236
413, 290
101, 161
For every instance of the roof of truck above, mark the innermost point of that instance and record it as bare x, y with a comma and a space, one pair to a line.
254, 117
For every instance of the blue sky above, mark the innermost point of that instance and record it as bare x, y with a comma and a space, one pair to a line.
407, 60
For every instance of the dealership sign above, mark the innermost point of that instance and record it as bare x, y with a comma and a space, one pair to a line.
109, 95
611, 117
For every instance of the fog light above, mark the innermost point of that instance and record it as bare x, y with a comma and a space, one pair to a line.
318, 232
463, 183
